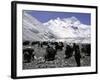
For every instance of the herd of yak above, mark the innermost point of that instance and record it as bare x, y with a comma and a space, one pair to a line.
51, 49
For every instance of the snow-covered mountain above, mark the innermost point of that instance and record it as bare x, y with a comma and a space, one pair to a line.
70, 29
34, 30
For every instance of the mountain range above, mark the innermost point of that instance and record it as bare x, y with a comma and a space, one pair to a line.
65, 29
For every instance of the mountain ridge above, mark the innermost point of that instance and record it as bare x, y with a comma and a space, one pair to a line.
54, 29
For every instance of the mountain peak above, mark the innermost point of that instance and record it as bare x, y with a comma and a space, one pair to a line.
74, 18
58, 18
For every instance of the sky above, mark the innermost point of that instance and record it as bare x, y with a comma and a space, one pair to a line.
44, 16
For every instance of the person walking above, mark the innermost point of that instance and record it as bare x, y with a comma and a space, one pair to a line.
77, 54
